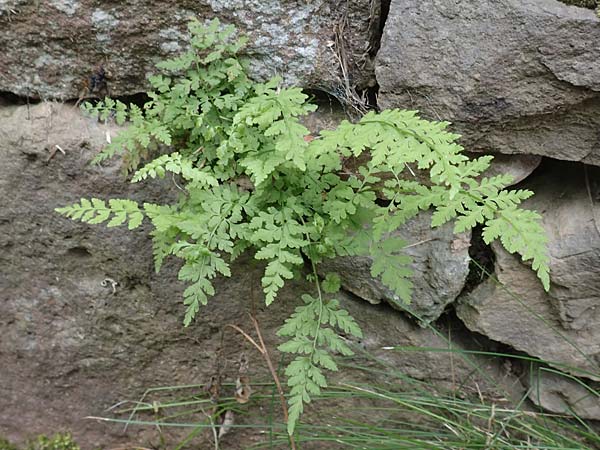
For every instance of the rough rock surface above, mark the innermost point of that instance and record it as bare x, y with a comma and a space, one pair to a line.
514, 76
517, 166
562, 326
561, 395
51, 48
71, 348
440, 268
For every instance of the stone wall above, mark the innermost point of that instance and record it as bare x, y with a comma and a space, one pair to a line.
519, 78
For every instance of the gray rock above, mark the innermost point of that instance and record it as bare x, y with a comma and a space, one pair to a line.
514, 76
51, 48
72, 347
440, 268
517, 166
564, 395
562, 326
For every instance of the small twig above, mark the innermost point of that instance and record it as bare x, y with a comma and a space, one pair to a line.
420, 242
262, 348
248, 338
272, 369
116, 405
57, 148
479, 394
177, 185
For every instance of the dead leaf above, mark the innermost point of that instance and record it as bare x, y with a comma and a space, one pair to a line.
228, 422
243, 391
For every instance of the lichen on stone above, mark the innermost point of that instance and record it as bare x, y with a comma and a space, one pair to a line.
69, 7
59, 441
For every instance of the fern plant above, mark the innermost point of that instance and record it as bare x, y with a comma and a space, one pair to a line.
253, 183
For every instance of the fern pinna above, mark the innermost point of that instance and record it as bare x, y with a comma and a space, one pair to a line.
253, 183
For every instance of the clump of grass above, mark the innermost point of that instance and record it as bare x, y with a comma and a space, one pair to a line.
399, 413
427, 417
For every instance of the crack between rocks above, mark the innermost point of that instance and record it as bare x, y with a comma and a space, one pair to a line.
8, 98
136, 98
379, 22
11, 99
358, 100
372, 93
481, 265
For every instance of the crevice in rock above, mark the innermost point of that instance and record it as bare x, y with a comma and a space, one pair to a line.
370, 94
358, 95
11, 99
138, 99
514, 362
78, 252
329, 114
324, 99
589, 4
377, 25
482, 261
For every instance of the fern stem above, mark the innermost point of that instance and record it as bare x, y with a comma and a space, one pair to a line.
319, 293
318, 327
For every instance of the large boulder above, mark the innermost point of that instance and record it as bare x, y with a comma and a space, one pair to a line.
563, 325
73, 343
514, 76
52, 48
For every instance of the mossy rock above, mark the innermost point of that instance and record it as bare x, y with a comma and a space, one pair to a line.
582, 3
60, 441
6, 445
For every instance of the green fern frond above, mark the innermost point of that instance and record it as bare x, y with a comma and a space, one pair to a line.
393, 267
177, 164
520, 231
96, 211
314, 343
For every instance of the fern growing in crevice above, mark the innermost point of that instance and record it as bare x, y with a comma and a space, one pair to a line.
253, 183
